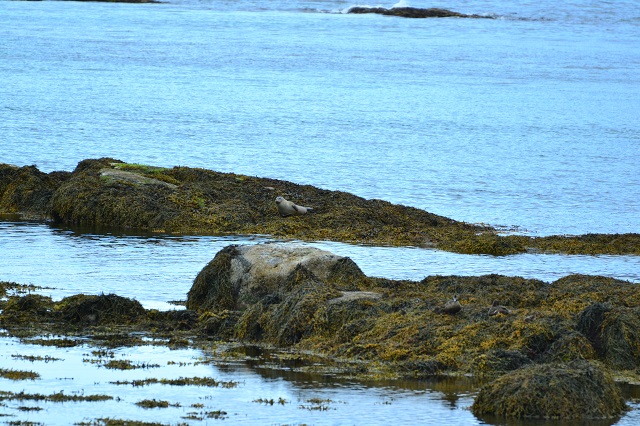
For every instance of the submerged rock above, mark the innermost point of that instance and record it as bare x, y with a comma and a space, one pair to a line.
577, 390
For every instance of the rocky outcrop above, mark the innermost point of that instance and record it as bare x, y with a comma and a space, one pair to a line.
578, 390
28, 191
289, 295
552, 356
242, 275
412, 12
109, 193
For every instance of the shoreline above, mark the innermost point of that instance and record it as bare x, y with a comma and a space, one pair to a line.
365, 329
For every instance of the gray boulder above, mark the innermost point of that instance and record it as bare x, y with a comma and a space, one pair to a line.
242, 275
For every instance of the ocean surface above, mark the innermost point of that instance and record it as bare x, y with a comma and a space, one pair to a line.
529, 122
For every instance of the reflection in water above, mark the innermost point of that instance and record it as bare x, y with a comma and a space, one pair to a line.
310, 399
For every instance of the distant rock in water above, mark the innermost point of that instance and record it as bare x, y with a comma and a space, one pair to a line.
122, 1
413, 12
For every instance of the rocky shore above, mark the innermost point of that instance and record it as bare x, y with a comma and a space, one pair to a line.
548, 343
539, 349
108, 192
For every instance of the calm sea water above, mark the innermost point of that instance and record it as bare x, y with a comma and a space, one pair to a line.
528, 121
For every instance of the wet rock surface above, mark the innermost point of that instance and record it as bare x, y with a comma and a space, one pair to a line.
242, 275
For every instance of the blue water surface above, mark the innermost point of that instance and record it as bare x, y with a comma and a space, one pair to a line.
527, 121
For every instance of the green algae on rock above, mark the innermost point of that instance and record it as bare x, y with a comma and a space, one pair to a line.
108, 192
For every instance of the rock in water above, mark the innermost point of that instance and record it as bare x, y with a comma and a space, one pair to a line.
412, 12
576, 390
240, 275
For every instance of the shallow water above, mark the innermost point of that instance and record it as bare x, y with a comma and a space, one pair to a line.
74, 373
158, 269
310, 399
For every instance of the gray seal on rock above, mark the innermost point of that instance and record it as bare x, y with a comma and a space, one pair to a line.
452, 307
287, 208
496, 309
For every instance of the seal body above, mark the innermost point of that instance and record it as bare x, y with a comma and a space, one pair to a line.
498, 309
452, 307
287, 208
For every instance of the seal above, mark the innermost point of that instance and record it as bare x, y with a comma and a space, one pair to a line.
287, 208
496, 308
452, 307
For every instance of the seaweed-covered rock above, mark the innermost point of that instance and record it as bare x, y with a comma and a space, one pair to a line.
614, 333
21, 310
99, 309
570, 347
577, 390
100, 193
293, 318
499, 361
107, 192
412, 12
28, 191
239, 276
